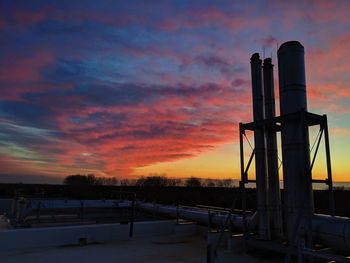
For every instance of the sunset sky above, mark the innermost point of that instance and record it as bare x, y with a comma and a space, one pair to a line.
131, 88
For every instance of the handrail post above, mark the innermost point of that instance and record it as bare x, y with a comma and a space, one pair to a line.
131, 230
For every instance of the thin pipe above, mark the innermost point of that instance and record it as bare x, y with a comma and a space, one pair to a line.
274, 193
260, 148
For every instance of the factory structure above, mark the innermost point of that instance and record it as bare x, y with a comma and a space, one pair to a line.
291, 226
285, 224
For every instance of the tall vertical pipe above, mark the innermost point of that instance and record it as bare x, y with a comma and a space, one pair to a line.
274, 198
295, 138
260, 154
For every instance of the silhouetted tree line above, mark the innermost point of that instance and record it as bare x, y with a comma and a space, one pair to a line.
157, 181
153, 180
89, 179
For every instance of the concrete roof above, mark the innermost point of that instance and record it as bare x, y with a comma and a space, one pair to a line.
161, 249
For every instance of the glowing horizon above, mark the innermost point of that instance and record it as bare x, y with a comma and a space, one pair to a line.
130, 89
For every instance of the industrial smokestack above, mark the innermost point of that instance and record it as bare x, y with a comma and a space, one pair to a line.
295, 138
259, 141
274, 198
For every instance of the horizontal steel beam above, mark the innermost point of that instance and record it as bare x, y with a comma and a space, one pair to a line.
311, 119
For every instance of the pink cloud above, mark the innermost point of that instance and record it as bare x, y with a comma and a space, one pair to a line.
26, 68
20, 75
328, 74
153, 133
230, 20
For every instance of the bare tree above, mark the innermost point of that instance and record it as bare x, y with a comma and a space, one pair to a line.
125, 182
193, 182
78, 179
156, 181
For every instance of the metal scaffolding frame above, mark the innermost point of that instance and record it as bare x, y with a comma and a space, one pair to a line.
308, 119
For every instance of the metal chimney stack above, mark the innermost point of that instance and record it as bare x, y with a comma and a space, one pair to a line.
298, 199
259, 141
274, 195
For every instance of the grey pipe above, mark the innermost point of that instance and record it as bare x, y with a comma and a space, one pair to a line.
333, 231
260, 150
200, 216
274, 201
328, 230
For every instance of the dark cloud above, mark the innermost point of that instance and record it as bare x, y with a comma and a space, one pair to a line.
64, 70
37, 115
214, 62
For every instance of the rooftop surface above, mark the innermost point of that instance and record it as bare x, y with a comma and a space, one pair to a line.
161, 249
